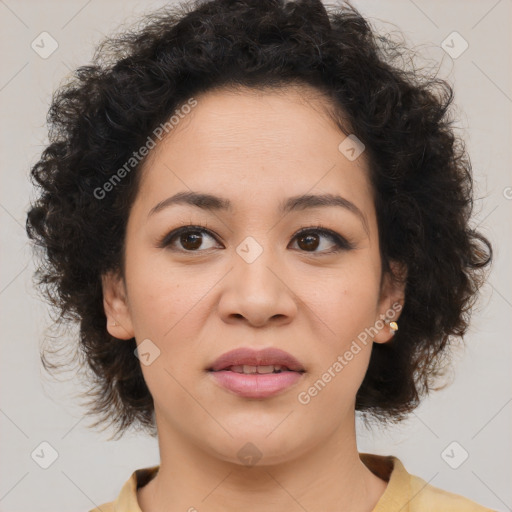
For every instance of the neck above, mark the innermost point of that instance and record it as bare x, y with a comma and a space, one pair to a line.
327, 477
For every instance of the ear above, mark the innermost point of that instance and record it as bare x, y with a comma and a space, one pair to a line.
391, 301
115, 304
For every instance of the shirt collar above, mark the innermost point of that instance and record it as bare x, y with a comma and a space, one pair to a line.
396, 496
398, 491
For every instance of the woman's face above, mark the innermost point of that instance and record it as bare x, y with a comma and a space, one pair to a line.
250, 279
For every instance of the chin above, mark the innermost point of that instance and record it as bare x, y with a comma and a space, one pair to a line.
250, 447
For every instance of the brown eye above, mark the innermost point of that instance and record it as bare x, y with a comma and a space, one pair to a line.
311, 239
188, 238
308, 242
191, 240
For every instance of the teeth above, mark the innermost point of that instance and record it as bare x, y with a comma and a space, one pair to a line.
267, 369
256, 369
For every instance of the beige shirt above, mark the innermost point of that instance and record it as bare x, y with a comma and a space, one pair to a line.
404, 492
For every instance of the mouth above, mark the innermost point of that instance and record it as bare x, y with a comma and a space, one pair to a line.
262, 369
256, 374
248, 360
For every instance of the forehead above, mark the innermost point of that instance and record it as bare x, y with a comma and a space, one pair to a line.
256, 146
271, 122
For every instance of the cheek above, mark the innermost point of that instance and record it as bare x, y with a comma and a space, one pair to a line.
165, 306
162, 297
344, 300
344, 309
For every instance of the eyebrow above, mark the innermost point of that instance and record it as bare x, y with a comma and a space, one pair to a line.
302, 202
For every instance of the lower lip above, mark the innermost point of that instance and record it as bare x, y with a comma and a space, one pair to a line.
255, 385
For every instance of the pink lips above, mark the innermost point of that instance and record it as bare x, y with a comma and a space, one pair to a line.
256, 385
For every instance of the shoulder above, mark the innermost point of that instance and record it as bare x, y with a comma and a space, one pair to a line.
428, 497
105, 507
126, 500
410, 493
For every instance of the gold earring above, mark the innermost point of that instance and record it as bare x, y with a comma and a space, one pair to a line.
393, 326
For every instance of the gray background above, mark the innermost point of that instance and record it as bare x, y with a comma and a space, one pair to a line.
475, 411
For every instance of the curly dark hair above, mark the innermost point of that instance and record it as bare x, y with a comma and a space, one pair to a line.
419, 170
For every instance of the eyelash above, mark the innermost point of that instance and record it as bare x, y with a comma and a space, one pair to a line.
341, 243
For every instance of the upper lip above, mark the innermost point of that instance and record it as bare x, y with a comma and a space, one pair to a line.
248, 356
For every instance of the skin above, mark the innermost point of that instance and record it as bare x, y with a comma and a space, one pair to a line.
255, 148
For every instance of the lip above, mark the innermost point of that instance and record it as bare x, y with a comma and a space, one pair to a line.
249, 356
256, 385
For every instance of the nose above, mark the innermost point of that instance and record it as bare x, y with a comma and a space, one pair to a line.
258, 292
